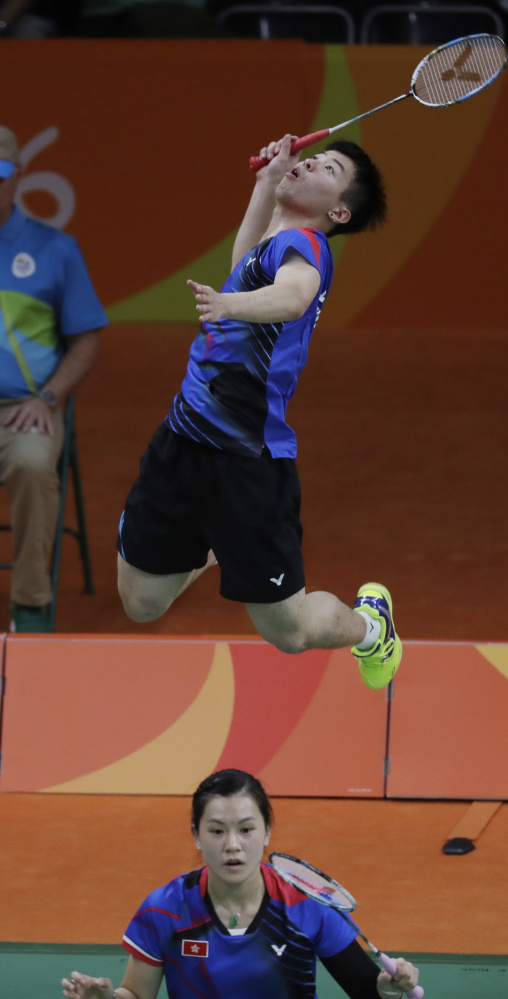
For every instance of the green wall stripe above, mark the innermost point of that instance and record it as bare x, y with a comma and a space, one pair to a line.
170, 300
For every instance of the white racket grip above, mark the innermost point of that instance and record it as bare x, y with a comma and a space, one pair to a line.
390, 966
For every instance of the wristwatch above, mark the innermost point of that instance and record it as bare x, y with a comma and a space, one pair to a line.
48, 397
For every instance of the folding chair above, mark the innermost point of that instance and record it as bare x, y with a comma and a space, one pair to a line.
69, 460
427, 23
312, 22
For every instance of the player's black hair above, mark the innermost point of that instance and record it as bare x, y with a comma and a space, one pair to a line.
365, 196
225, 783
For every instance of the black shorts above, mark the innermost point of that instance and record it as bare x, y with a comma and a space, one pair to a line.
189, 498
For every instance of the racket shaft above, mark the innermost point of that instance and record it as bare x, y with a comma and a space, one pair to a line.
256, 162
387, 962
390, 966
367, 113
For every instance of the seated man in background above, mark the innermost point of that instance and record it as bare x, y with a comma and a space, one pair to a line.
50, 321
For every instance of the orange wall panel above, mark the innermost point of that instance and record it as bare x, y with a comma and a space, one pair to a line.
125, 715
449, 722
122, 715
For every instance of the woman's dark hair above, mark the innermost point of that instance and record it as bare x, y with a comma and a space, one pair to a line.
365, 196
225, 783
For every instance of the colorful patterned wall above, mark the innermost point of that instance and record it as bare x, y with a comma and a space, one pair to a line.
141, 150
123, 715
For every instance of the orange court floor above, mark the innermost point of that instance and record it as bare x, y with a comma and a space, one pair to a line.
402, 445
76, 867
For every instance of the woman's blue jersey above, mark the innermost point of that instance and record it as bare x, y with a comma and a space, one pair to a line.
176, 928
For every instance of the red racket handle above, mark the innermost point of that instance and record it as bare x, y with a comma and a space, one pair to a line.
392, 967
256, 162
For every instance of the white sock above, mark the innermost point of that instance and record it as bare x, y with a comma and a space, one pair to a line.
372, 634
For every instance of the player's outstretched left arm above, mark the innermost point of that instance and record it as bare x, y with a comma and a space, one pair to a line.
295, 286
404, 981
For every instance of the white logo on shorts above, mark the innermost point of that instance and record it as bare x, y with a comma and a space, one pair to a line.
278, 581
23, 265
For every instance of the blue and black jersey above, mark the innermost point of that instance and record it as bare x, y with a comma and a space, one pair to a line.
176, 928
241, 375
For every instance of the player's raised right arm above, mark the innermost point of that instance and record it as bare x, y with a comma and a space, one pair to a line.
262, 203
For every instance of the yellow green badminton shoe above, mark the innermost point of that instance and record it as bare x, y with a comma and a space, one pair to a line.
378, 664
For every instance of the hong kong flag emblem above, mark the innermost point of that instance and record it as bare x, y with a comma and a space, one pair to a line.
195, 948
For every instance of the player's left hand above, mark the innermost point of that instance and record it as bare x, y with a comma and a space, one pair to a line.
31, 416
403, 981
211, 303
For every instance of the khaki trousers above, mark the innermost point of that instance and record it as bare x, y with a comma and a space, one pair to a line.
28, 471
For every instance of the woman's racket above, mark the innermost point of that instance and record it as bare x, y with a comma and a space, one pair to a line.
324, 889
448, 75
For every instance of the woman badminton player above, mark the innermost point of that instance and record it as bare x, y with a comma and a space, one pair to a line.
234, 929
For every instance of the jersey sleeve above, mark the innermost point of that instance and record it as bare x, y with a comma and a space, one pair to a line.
149, 929
307, 242
80, 309
334, 933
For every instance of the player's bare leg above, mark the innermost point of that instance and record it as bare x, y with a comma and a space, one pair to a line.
317, 620
321, 621
196, 573
146, 596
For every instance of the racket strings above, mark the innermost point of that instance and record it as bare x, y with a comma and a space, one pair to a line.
459, 70
313, 883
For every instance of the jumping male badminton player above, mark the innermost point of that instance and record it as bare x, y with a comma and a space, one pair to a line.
219, 479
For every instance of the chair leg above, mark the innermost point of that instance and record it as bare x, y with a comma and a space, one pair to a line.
63, 471
69, 459
84, 546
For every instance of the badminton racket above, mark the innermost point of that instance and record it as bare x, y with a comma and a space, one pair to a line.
322, 888
448, 75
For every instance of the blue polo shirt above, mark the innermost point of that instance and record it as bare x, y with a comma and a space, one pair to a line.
45, 294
